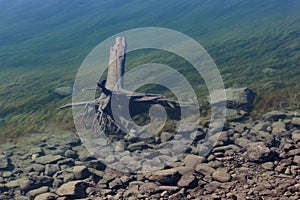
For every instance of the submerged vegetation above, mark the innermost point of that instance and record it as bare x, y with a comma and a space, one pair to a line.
252, 43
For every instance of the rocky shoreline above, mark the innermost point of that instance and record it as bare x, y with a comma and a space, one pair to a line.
253, 159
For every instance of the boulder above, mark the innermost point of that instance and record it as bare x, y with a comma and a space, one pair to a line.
241, 98
258, 152
81, 172
73, 189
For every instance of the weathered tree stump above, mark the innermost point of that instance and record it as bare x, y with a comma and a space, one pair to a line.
113, 86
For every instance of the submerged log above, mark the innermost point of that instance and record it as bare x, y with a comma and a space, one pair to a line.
113, 85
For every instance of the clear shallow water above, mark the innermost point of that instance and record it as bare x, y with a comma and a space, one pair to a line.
42, 48
254, 44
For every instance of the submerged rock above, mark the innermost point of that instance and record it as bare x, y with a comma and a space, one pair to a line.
236, 98
63, 91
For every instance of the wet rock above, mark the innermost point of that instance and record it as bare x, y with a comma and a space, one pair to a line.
81, 172
268, 166
279, 125
296, 160
115, 184
49, 159
16, 183
38, 168
204, 169
46, 196
265, 137
165, 136
149, 188
167, 177
3, 162
237, 97
296, 137
51, 169
187, 181
63, 91
296, 121
261, 126
275, 115
192, 160
65, 176
71, 154
138, 146
242, 142
258, 152
221, 176
185, 170
235, 115
27, 185
35, 192
75, 189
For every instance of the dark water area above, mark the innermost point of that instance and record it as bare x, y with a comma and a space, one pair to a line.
255, 46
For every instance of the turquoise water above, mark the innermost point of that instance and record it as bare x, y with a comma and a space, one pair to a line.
43, 44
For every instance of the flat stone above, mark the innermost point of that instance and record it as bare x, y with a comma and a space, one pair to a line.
275, 115
81, 172
35, 192
192, 160
261, 126
268, 166
293, 152
185, 170
46, 196
75, 189
38, 168
221, 176
96, 172
167, 188
167, 177
49, 159
71, 154
242, 142
65, 175
51, 169
187, 181
258, 152
115, 184
205, 169
149, 188
138, 146
15, 183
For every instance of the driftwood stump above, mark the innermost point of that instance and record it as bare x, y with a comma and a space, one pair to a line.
113, 86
